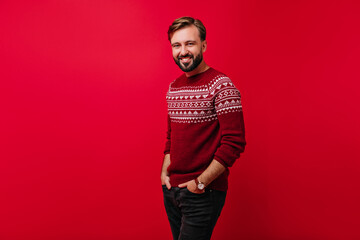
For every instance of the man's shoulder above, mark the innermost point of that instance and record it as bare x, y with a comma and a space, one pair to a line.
177, 80
216, 75
217, 72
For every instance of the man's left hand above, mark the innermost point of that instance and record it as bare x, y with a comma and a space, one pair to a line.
191, 186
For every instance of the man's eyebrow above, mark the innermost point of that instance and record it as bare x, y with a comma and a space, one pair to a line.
188, 41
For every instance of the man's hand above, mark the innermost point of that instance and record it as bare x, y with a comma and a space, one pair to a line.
165, 180
192, 187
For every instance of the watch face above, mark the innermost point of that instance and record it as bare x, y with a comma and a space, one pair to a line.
201, 186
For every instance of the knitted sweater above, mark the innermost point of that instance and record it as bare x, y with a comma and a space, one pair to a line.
205, 122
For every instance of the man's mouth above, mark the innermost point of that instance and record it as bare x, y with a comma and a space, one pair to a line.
185, 59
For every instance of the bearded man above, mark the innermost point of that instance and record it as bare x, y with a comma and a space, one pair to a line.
205, 135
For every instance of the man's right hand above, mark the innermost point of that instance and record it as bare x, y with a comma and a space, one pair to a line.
165, 180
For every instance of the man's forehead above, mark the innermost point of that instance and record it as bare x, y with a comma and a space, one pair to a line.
190, 33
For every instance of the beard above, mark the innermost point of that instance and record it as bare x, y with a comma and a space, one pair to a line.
188, 67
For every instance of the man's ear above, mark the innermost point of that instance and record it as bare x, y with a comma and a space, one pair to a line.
204, 46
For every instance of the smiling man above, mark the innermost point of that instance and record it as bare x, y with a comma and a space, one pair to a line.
205, 135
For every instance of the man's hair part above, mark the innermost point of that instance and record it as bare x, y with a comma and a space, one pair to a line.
185, 22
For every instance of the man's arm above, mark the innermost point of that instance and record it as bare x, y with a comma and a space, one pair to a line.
214, 170
165, 179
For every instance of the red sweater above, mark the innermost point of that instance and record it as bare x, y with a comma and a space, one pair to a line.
205, 122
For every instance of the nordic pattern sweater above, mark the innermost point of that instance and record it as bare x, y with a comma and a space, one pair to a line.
205, 122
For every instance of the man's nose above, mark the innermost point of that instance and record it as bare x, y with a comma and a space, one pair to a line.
184, 51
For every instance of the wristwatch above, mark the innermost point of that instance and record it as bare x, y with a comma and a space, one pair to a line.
199, 184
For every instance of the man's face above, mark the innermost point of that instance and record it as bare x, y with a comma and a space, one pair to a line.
187, 48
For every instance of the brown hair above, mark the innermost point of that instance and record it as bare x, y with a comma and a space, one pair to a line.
184, 22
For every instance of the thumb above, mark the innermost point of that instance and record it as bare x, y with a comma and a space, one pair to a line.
167, 183
182, 185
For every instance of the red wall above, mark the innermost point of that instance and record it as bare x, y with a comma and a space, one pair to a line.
83, 114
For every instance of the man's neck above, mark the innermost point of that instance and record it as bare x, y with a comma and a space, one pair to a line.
201, 68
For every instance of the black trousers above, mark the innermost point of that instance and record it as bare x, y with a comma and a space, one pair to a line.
192, 216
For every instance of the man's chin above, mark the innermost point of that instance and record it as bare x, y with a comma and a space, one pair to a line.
184, 68
187, 69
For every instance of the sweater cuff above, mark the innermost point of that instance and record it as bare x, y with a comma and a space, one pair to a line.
222, 162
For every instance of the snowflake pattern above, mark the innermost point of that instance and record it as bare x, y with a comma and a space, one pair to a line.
197, 104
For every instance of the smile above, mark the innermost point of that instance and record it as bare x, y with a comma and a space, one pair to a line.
185, 59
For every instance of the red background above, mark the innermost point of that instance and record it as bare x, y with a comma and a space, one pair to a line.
83, 117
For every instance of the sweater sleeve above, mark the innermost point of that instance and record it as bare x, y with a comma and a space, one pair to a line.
229, 112
168, 136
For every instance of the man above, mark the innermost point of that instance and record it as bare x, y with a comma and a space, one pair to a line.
205, 135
